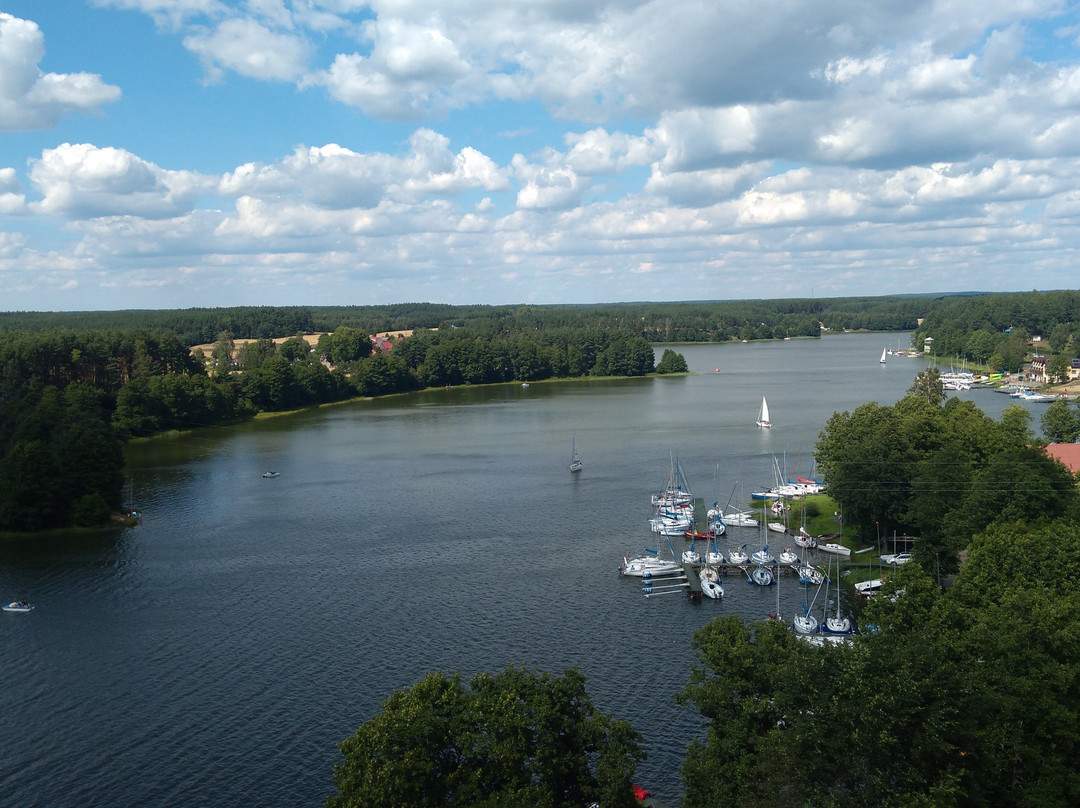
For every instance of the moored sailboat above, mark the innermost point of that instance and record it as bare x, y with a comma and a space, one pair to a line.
575, 459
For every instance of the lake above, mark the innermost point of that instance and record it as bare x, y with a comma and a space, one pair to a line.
216, 654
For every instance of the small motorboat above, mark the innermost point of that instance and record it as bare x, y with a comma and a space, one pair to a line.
18, 606
712, 589
762, 576
271, 474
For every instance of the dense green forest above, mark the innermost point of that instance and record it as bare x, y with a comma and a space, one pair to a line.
996, 330
658, 322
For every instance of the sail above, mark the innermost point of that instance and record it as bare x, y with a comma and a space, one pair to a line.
765, 410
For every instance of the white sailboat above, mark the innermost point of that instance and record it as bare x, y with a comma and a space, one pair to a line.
883, 352
763, 415
838, 624
575, 459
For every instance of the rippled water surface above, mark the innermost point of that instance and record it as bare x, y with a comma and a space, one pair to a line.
215, 655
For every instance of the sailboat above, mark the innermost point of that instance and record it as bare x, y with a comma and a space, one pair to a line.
575, 459
763, 415
806, 623
838, 624
883, 352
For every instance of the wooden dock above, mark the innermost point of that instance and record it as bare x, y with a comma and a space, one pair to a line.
693, 580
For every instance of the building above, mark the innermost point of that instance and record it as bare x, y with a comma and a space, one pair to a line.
1037, 371
1066, 453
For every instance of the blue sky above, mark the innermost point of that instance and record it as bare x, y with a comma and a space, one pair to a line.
178, 153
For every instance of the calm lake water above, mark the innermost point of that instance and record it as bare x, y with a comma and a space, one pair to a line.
216, 654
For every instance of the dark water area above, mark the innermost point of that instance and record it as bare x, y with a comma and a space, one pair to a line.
217, 653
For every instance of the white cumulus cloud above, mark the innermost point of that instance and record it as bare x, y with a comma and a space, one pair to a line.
83, 181
251, 49
31, 99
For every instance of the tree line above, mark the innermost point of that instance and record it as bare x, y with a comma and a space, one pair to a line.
716, 321
996, 330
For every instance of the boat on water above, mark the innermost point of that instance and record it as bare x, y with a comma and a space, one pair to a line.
734, 518
763, 420
762, 576
738, 555
837, 624
671, 524
804, 539
648, 565
691, 555
762, 556
884, 351
676, 491
575, 459
806, 623
1038, 398
18, 606
271, 474
809, 574
710, 585
777, 527
788, 557
713, 556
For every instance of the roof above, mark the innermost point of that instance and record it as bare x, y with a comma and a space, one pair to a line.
1067, 453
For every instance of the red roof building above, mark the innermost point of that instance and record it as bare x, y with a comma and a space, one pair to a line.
1066, 453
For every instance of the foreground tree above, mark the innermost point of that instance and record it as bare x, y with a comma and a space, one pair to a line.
517, 739
965, 697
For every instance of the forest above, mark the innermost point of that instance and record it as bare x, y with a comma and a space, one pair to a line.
658, 322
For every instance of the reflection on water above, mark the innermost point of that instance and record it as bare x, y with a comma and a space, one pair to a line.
215, 655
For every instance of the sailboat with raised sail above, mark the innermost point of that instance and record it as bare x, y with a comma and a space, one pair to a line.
763, 415
883, 352
575, 458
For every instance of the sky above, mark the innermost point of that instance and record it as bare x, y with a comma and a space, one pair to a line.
162, 154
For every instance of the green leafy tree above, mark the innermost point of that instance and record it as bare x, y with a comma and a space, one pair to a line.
251, 355
223, 353
1057, 367
1060, 422
672, 362
928, 385
517, 739
296, 349
1059, 337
